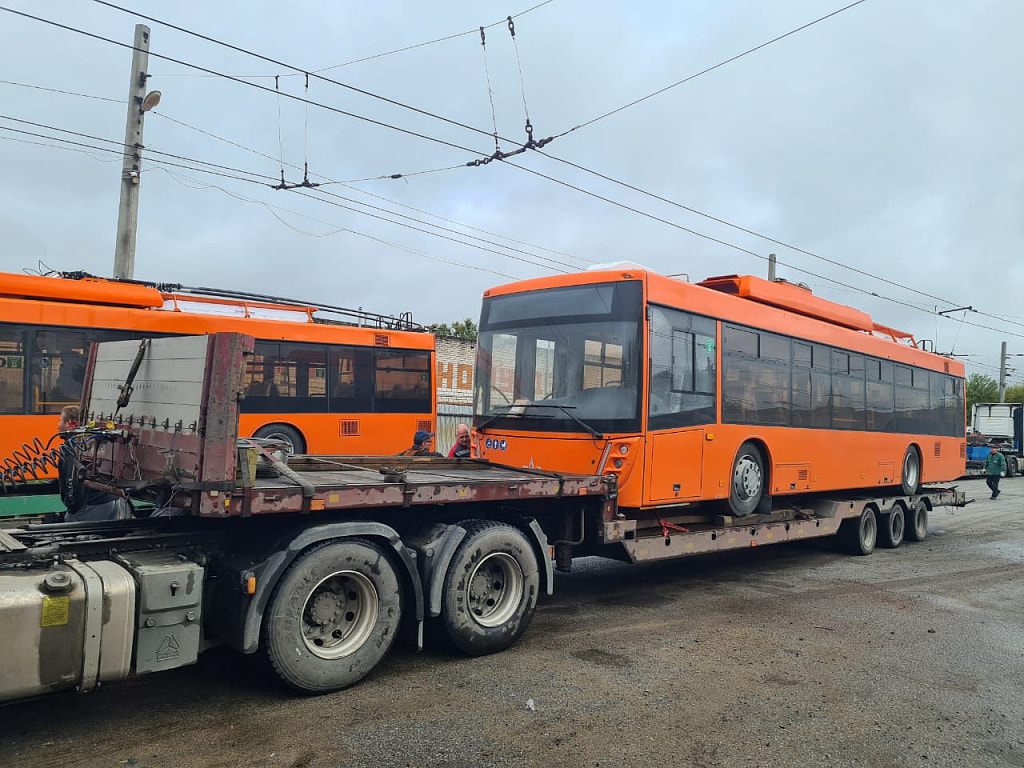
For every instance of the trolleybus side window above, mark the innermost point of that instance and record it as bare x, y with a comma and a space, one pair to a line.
755, 376
12, 370
58, 360
879, 390
682, 359
402, 381
847, 391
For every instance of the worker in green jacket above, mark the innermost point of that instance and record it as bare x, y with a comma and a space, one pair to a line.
995, 465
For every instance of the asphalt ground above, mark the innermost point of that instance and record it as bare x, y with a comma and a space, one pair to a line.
789, 655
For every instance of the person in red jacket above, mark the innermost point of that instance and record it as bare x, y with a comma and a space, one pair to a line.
462, 448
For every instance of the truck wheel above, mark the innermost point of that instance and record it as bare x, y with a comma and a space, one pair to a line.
859, 534
748, 480
911, 482
285, 434
1012, 467
917, 522
890, 533
490, 590
333, 616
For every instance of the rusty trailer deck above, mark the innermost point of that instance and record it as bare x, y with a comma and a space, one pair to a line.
319, 483
797, 519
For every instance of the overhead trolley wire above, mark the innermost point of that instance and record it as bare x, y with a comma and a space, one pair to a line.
121, 144
297, 70
708, 69
58, 90
266, 89
555, 262
740, 248
477, 130
274, 212
267, 177
430, 42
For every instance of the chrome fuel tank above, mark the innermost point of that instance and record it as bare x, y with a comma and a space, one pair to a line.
67, 625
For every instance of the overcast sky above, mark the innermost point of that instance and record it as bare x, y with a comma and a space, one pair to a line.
879, 147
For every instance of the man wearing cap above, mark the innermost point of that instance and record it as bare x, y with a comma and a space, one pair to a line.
422, 443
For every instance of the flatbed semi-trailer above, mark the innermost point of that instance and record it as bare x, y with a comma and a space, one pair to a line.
321, 562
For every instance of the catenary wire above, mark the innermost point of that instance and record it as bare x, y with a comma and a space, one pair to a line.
274, 210
121, 144
58, 90
385, 53
715, 218
102, 2
554, 262
371, 121
193, 160
708, 69
691, 77
298, 70
472, 245
194, 169
431, 42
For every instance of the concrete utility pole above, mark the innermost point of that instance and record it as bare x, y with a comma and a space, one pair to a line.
138, 104
1002, 374
771, 267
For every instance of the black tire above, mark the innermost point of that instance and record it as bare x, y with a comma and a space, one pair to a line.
333, 616
858, 535
1012, 467
893, 526
747, 481
285, 434
910, 477
490, 589
917, 521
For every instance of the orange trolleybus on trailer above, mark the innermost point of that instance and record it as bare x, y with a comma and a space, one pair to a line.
732, 390
341, 388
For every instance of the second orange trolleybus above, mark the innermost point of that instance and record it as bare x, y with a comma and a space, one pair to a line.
360, 387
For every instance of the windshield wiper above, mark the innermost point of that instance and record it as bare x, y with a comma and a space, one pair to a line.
509, 414
567, 410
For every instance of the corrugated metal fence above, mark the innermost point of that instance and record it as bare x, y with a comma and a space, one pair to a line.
448, 419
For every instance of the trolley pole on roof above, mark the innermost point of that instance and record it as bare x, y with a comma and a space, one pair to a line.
139, 102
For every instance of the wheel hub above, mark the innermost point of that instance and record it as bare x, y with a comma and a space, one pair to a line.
747, 478
339, 614
495, 589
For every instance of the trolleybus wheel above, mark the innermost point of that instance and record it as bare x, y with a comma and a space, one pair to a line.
490, 590
747, 483
917, 522
893, 526
859, 534
333, 616
911, 477
285, 434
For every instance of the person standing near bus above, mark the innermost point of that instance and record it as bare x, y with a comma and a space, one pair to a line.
83, 504
422, 445
995, 465
462, 448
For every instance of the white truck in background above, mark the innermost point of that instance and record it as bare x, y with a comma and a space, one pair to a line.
996, 427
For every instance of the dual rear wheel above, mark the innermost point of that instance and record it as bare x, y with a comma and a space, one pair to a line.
336, 611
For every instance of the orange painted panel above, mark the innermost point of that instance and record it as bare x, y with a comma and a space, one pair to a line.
673, 464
